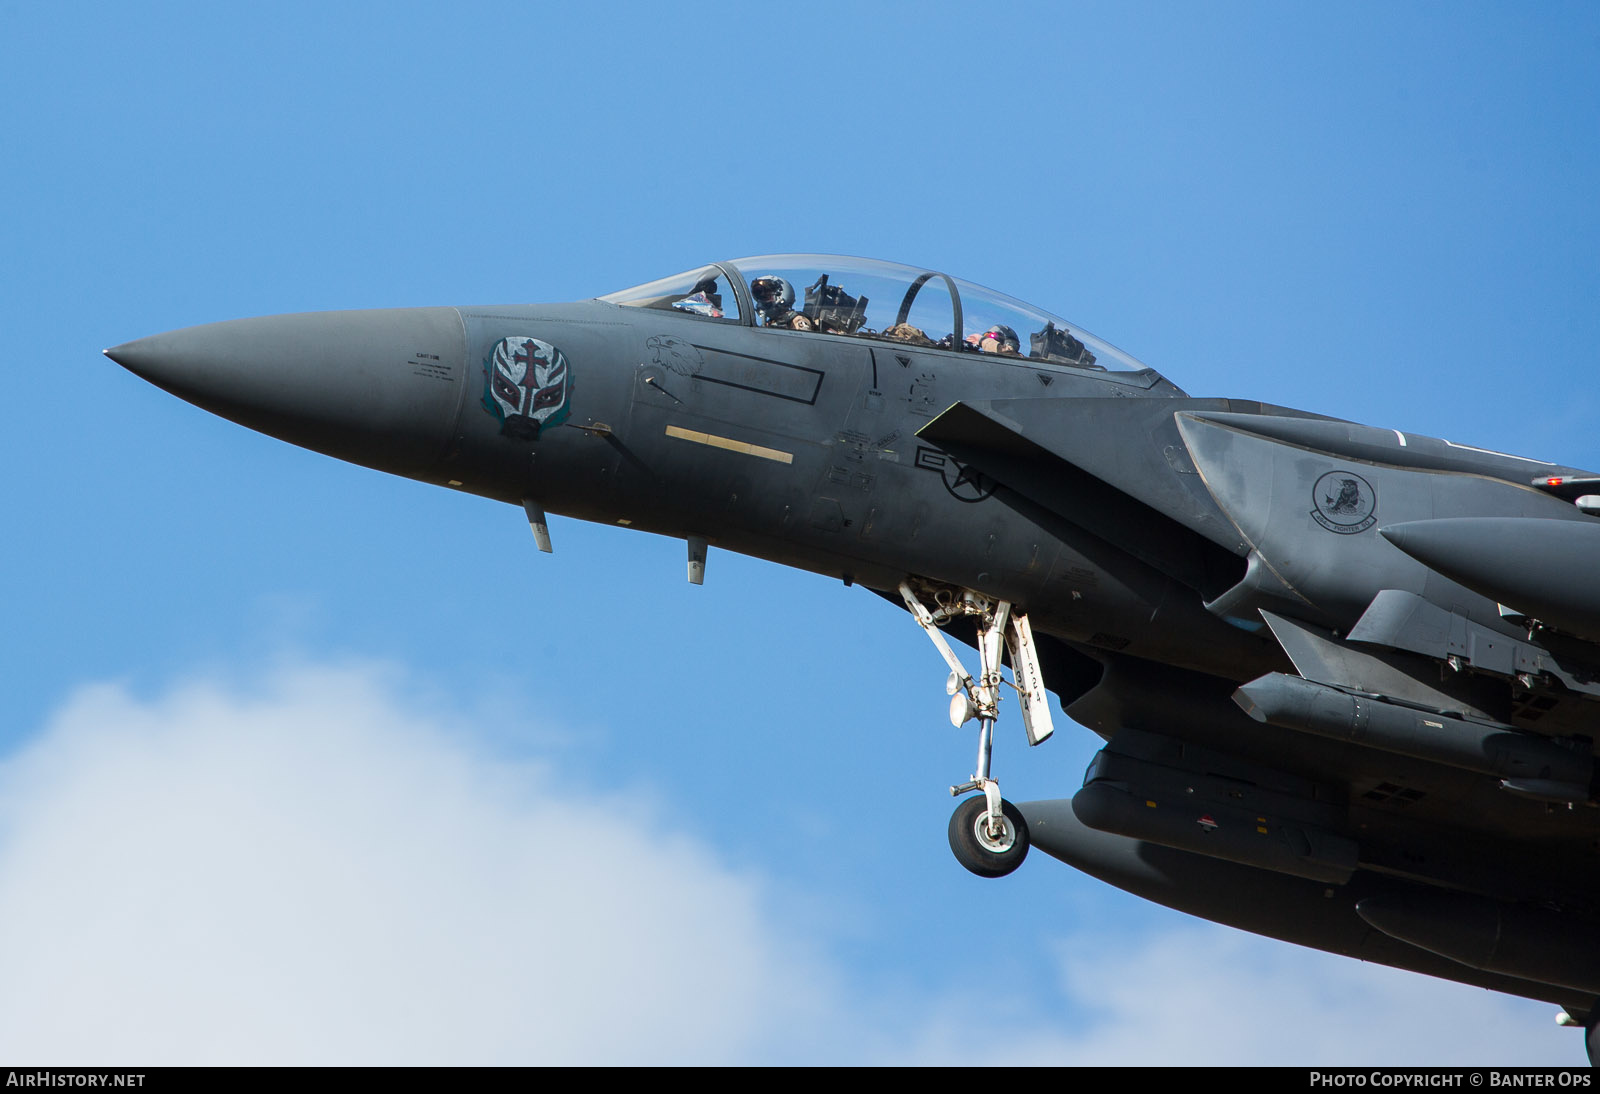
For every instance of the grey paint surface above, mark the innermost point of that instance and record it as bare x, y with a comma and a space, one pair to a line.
1150, 537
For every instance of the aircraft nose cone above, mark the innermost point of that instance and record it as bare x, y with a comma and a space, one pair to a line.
142, 357
381, 388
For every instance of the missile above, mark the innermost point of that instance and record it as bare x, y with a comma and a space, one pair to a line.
1540, 567
1529, 943
1530, 765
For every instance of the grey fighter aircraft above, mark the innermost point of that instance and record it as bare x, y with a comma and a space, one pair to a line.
1348, 678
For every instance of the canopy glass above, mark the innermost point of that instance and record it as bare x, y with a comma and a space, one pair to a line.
870, 298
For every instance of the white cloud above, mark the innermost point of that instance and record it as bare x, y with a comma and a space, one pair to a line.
1205, 995
315, 874
316, 869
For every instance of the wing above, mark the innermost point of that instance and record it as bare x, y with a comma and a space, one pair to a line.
1415, 782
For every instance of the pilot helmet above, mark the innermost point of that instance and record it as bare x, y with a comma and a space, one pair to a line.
1004, 337
773, 295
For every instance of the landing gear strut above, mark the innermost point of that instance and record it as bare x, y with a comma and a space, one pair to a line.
988, 834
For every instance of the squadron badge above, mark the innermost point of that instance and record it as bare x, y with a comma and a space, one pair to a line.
526, 385
1344, 503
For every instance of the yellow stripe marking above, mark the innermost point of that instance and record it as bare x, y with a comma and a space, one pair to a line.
729, 444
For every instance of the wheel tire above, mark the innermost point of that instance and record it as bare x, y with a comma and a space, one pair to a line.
981, 853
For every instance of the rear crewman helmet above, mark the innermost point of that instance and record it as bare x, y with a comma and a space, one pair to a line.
1007, 338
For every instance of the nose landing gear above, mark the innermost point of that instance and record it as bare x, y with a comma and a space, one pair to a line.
988, 834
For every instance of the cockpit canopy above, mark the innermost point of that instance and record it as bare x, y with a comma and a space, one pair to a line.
869, 298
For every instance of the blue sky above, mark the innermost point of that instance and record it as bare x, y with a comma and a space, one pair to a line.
285, 777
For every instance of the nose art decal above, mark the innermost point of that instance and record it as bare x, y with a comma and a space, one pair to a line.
526, 386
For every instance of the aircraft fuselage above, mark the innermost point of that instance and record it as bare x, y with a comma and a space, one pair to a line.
1408, 773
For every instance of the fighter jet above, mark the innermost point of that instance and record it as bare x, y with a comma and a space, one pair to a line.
1348, 678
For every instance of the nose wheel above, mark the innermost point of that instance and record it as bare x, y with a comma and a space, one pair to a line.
987, 846
987, 834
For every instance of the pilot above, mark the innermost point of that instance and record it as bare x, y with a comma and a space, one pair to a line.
997, 339
774, 299
703, 299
